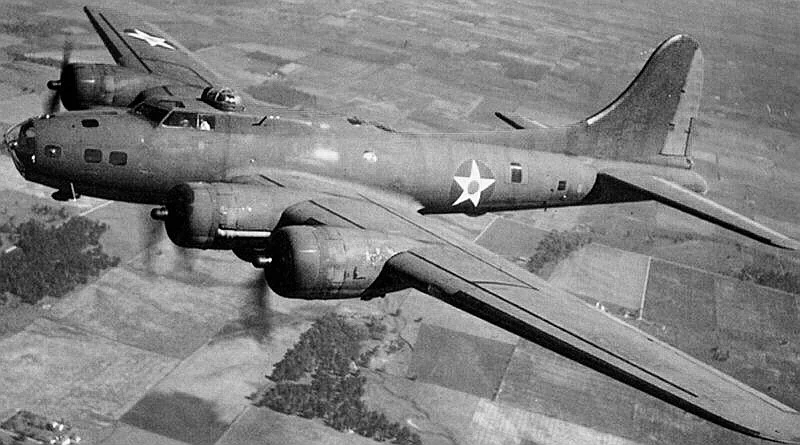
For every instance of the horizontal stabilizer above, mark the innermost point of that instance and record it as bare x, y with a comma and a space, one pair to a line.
674, 195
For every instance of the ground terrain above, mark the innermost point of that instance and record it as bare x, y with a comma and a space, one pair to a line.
165, 348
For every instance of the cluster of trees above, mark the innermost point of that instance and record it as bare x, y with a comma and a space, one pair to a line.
50, 213
556, 246
52, 260
327, 352
330, 343
769, 270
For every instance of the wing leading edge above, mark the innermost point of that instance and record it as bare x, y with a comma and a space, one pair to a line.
483, 284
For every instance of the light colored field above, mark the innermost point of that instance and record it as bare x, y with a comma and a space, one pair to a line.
123, 434
566, 218
62, 371
19, 108
605, 274
511, 238
7, 40
262, 425
497, 424
440, 415
151, 313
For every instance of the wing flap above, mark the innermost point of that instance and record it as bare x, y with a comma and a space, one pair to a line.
526, 306
673, 195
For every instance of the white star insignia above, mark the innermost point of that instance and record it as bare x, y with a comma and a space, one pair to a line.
472, 186
150, 39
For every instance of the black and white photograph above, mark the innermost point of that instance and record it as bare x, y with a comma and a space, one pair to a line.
455, 222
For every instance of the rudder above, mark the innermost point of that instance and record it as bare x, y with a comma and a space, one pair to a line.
651, 121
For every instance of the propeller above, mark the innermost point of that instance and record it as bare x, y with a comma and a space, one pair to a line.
257, 314
52, 102
153, 233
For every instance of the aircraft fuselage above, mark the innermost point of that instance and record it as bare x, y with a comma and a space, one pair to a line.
117, 154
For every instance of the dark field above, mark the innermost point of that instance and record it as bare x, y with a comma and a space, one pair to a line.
458, 361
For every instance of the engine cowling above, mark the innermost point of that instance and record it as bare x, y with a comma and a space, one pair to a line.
323, 262
222, 215
86, 85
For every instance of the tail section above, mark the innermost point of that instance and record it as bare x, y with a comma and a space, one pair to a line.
651, 121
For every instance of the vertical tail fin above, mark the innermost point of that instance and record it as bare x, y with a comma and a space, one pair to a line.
651, 121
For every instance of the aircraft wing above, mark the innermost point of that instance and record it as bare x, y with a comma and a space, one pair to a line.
139, 45
673, 195
484, 284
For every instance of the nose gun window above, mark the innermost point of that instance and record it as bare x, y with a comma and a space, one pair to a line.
90, 123
11, 136
52, 151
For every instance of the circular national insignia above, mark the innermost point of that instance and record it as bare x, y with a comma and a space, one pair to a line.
472, 182
149, 38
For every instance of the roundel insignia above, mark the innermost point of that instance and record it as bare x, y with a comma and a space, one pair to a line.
473, 181
149, 38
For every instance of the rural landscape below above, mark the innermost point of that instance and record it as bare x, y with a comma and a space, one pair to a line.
104, 323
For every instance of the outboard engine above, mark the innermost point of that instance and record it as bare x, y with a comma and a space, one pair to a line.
87, 85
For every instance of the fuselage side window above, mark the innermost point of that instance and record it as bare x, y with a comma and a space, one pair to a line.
516, 173
181, 119
92, 155
118, 158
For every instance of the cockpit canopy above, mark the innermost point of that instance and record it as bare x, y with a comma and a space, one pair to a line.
171, 113
224, 99
152, 112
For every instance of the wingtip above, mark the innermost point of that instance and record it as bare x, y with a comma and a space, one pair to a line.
788, 244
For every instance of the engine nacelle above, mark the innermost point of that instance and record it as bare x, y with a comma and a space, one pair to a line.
222, 215
323, 262
86, 85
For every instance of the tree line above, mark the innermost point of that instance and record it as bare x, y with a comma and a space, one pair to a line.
52, 260
326, 354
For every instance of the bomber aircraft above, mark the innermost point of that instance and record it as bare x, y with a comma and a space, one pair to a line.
332, 208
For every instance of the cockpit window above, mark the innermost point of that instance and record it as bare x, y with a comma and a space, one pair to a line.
181, 119
207, 122
149, 112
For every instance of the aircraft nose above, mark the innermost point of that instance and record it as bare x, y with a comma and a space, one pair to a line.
20, 141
